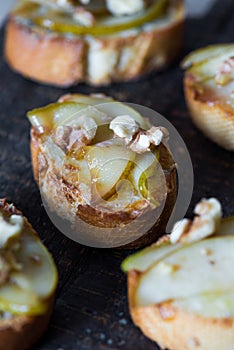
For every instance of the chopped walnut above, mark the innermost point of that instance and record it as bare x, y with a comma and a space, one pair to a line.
153, 136
141, 143
61, 136
70, 137
83, 17
205, 224
125, 127
138, 140
156, 134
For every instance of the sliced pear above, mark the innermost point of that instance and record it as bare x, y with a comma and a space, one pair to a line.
101, 119
104, 25
114, 109
107, 165
70, 113
120, 197
199, 268
212, 305
205, 54
142, 260
146, 166
91, 100
46, 118
30, 286
37, 265
18, 301
208, 68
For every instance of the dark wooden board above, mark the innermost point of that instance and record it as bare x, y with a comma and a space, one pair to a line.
91, 311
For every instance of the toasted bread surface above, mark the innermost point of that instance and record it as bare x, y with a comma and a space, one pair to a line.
63, 197
22, 332
57, 59
212, 117
175, 329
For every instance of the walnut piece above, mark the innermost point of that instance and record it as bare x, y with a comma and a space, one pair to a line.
138, 140
69, 137
205, 224
125, 127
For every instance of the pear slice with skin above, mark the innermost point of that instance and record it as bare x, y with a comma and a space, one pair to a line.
60, 112
47, 118
70, 113
210, 305
90, 100
19, 301
143, 259
105, 25
32, 276
198, 268
204, 54
38, 266
103, 132
114, 109
107, 164
143, 162
148, 177
208, 68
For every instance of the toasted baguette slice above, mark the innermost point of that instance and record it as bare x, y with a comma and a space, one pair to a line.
63, 194
208, 101
167, 322
63, 60
175, 329
21, 332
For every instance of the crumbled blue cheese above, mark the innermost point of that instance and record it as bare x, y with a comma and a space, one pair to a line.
206, 223
124, 127
10, 229
125, 7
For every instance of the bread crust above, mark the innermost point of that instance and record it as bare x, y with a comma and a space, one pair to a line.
209, 115
63, 197
56, 59
175, 329
21, 332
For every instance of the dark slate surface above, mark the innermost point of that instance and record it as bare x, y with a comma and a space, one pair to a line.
91, 310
